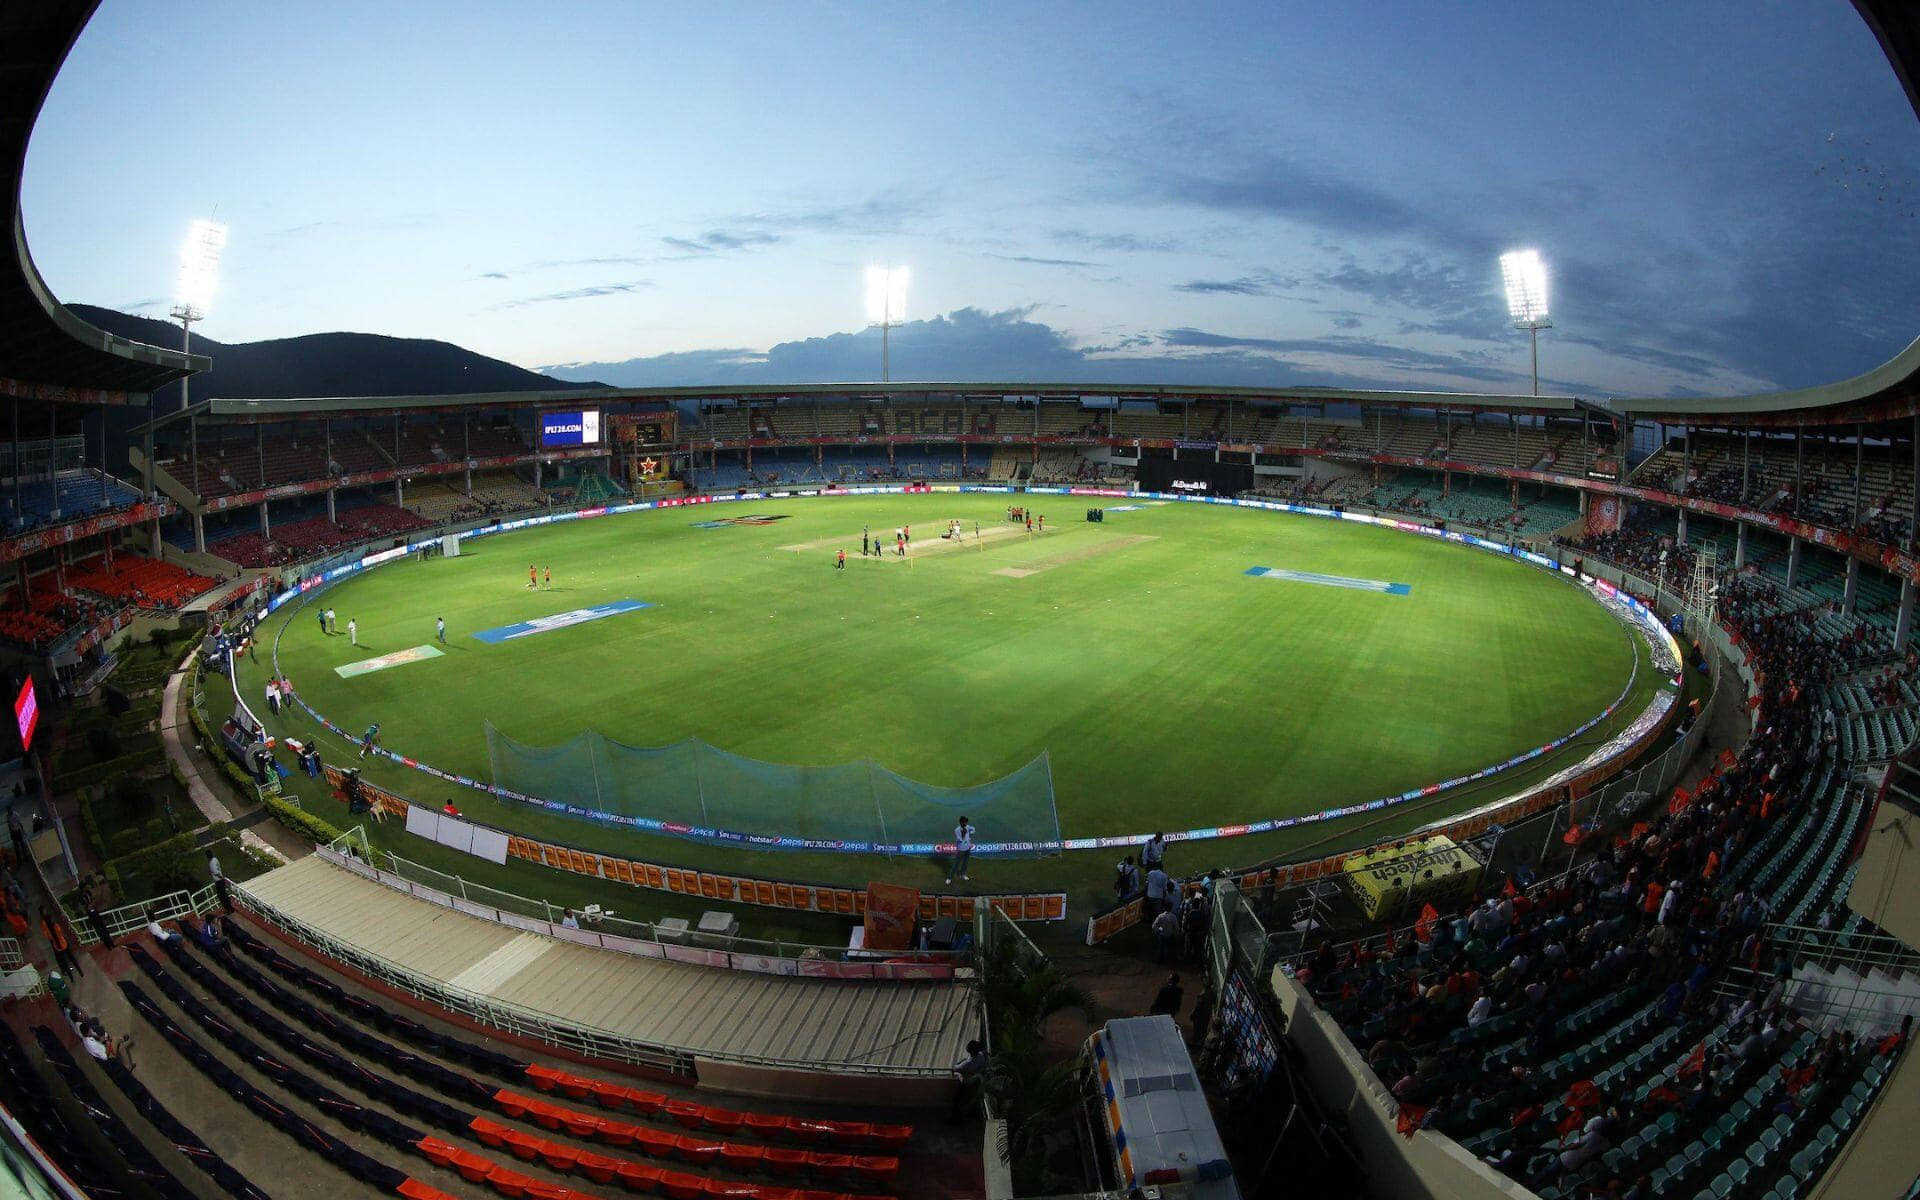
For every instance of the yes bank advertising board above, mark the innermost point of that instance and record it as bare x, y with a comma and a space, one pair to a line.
570, 428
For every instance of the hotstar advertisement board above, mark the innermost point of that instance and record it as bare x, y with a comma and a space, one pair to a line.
570, 428
1193, 475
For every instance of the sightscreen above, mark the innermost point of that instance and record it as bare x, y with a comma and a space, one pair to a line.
1194, 473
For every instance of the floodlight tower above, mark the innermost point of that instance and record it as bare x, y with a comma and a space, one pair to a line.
1526, 279
886, 304
199, 267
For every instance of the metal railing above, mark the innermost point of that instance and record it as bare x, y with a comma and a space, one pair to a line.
524, 1022
639, 938
129, 918
13, 955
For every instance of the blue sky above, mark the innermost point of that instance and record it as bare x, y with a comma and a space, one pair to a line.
1728, 196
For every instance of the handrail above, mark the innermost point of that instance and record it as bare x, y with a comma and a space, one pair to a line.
633, 937
527, 1022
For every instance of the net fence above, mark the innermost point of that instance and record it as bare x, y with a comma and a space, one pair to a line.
697, 785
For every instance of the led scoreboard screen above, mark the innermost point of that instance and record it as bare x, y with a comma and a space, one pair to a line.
570, 428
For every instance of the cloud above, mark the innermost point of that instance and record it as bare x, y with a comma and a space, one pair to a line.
1346, 321
1115, 243
1030, 260
880, 214
720, 241
602, 260
580, 293
1257, 283
972, 344
493, 275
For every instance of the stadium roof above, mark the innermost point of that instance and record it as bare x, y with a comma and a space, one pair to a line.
340, 406
42, 345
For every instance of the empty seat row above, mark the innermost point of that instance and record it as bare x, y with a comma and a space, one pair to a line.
695, 1151
694, 1115
688, 1114
143, 1165
184, 1140
378, 1125
698, 1150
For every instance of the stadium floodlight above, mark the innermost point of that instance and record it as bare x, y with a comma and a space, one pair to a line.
886, 304
1526, 280
193, 292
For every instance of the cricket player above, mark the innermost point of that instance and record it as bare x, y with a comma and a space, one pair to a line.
353, 631
440, 628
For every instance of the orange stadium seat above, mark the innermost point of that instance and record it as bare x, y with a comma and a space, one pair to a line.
782, 1161
598, 1167
437, 1152
681, 1186
699, 1151
639, 1177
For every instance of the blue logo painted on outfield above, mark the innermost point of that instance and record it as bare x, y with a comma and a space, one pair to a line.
1340, 581
565, 620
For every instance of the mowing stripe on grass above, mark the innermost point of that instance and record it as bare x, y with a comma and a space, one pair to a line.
578, 616
1340, 581
368, 665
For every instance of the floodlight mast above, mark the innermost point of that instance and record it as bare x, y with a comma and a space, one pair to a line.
886, 303
193, 292
1526, 281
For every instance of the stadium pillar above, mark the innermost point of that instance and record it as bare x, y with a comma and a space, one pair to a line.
266, 529
1740, 547
1903, 624
1859, 466
199, 534
331, 518
1681, 536
1793, 560
399, 492
1746, 462
1584, 497
1848, 597
1913, 511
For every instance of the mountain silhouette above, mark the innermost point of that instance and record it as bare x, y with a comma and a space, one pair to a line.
325, 364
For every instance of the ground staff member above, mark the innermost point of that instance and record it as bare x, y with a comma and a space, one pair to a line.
962, 849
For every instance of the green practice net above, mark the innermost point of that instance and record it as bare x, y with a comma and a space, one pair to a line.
694, 784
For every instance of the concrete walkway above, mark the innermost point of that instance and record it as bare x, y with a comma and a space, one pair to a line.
177, 736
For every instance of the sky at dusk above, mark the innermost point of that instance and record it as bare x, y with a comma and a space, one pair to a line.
1727, 196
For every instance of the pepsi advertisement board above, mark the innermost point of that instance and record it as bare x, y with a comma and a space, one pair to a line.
570, 428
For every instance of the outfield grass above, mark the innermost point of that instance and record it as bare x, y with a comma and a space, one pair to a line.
1169, 688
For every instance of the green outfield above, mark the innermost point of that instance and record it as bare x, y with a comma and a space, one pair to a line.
1170, 688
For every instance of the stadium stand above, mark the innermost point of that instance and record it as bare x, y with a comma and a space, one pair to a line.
146, 582
70, 495
1577, 1033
